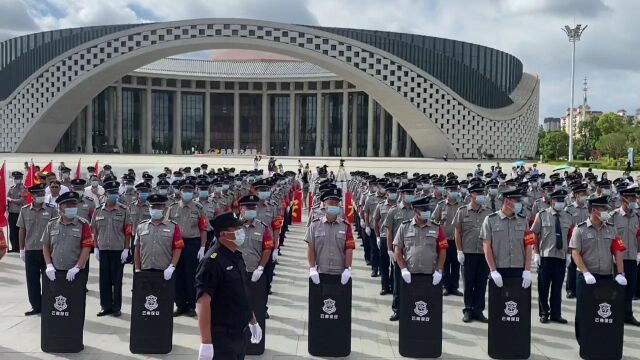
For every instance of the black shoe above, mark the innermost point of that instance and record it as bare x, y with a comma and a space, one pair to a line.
191, 313
270, 292
394, 317
374, 273
466, 317
32, 312
104, 312
179, 312
544, 319
445, 292
480, 317
632, 321
368, 262
455, 292
386, 291
266, 315
571, 295
116, 313
559, 320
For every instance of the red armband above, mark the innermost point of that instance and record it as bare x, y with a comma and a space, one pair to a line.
128, 229
442, 239
203, 223
3, 240
267, 240
178, 242
638, 232
529, 238
570, 232
617, 245
87, 237
350, 244
276, 224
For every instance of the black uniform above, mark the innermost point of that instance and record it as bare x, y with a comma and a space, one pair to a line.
221, 275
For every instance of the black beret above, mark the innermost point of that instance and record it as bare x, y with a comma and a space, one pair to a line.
513, 194
203, 184
559, 194
91, 169
37, 188
163, 183
262, 183
632, 191
547, 185
187, 169
492, 182
476, 187
225, 221
579, 187
408, 187
111, 185
331, 194
439, 182
157, 199
325, 187
188, 184
109, 178
422, 202
602, 201
176, 183
604, 183
453, 183
162, 176
249, 200
204, 166
391, 186
67, 197
127, 177
78, 182
147, 176
142, 185
17, 174
107, 167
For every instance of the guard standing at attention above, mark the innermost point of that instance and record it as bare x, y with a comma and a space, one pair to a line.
443, 215
16, 199
379, 217
580, 213
222, 298
259, 243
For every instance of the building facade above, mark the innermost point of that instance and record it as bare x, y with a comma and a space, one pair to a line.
580, 114
353, 92
551, 124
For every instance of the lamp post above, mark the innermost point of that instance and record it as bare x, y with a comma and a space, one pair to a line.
574, 35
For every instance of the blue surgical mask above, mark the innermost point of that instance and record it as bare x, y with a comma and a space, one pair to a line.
156, 214
425, 215
128, 187
94, 183
333, 210
392, 196
239, 237
203, 194
112, 197
143, 196
264, 195
633, 205
71, 213
163, 191
17, 181
427, 186
187, 196
517, 207
250, 214
409, 197
225, 187
481, 199
606, 192
38, 199
558, 206
493, 191
604, 216
454, 195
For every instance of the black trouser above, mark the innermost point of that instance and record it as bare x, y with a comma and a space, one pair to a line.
580, 285
638, 282
397, 280
229, 345
111, 268
34, 266
366, 243
476, 273
550, 277
269, 269
14, 230
186, 274
451, 273
375, 252
385, 266
572, 271
631, 273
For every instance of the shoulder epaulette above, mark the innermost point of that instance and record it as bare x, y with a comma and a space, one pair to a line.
406, 221
262, 222
493, 214
213, 255
316, 219
54, 219
82, 220
463, 206
197, 204
25, 206
582, 223
441, 201
171, 221
521, 215
49, 205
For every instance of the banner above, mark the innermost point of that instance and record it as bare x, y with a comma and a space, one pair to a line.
30, 180
296, 207
78, 174
3, 195
348, 207
47, 169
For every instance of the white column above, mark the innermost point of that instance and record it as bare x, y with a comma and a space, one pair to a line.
147, 120
370, 128
325, 128
88, 117
207, 120
292, 124
265, 121
354, 126
319, 118
383, 116
394, 137
111, 118
298, 124
177, 121
236, 121
119, 116
344, 151
78, 127
407, 146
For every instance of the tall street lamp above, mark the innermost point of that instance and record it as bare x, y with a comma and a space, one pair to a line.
574, 35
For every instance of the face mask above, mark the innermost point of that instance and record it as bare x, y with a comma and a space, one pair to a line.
17, 181
606, 192
250, 214
187, 196
525, 200
112, 197
454, 195
203, 194
409, 197
333, 210
128, 187
558, 206
239, 237
440, 189
427, 186
425, 215
392, 196
162, 191
71, 213
604, 216
217, 189
481, 199
251, 180
143, 196
39, 199
633, 205
94, 183
517, 207
493, 191
238, 182
264, 195
558, 187
583, 199
419, 186
381, 192
225, 187
178, 178
156, 214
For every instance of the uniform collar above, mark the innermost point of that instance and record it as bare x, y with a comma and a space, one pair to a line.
590, 224
470, 208
325, 220
503, 215
415, 223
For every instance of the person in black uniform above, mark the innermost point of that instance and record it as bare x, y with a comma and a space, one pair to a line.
222, 302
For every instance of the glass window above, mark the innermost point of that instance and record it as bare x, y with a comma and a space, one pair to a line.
131, 120
162, 118
250, 121
279, 125
334, 123
222, 121
100, 113
192, 122
308, 121
363, 104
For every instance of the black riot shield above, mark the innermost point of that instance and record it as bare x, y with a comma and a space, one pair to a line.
151, 313
420, 333
509, 320
329, 317
602, 320
63, 306
258, 303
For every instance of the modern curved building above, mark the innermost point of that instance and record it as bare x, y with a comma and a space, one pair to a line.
333, 92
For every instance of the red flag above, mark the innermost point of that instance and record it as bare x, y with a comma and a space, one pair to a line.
47, 169
30, 181
97, 166
3, 195
348, 199
78, 174
296, 207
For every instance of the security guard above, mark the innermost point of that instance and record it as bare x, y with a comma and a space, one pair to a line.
551, 227
259, 242
395, 217
222, 297
626, 221
370, 205
128, 190
32, 221
467, 223
420, 245
139, 208
86, 205
16, 199
494, 202
112, 230
580, 213
443, 215
379, 217
506, 248
593, 243
193, 224
67, 239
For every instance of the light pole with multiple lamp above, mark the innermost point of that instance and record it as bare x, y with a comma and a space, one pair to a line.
574, 35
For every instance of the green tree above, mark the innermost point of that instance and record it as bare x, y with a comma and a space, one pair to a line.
633, 137
587, 137
610, 123
554, 145
614, 145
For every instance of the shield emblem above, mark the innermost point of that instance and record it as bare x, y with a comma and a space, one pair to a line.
61, 303
604, 311
421, 308
511, 308
151, 303
329, 306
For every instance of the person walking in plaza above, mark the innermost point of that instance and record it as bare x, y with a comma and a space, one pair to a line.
443, 215
16, 199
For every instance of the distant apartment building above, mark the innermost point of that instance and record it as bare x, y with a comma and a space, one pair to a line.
551, 124
578, 116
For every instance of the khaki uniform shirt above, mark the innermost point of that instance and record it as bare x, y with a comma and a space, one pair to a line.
190, 217
33, 221
379, 217
66, 241
539, 205
112, 226
469, 222
596, 246
626, 226
494, 203
579, 214
15, 192
443, 215
258, 239
138, 213
86, 208
370, 206
330, 240
420, 245
157, 243
397, 215
507, 237
544, 226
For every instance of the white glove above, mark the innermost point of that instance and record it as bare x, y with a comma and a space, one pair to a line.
536, 259
368, 231
406, 275
274, 255
392, 255
168, 272
437, 277
313, 274
50, 272
255, 276
460, 257
589, 279
497, 278
526, 279
346, 275
71, 273
378, 241
201, 253
568, 260
124, 255
620, 279
206, 352
96, 252
22, 255
362, 224
638, 259
256, 333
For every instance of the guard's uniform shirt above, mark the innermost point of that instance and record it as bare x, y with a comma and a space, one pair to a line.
379, 217
627, 227
469, 222
33, 221
258, 239
221, 275
420, 244
269, 214
211, 210
15, 192
66, 241
397, 215
157, 242
317, 212
579, 213
112, 226
370, 206
443, 215
330, 240
191, 218
128, 197
508, 240
539, 205
596, 245
138, 212
86, 208
494, 203
544, 226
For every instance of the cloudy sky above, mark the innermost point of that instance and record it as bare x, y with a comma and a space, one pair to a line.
529, 29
